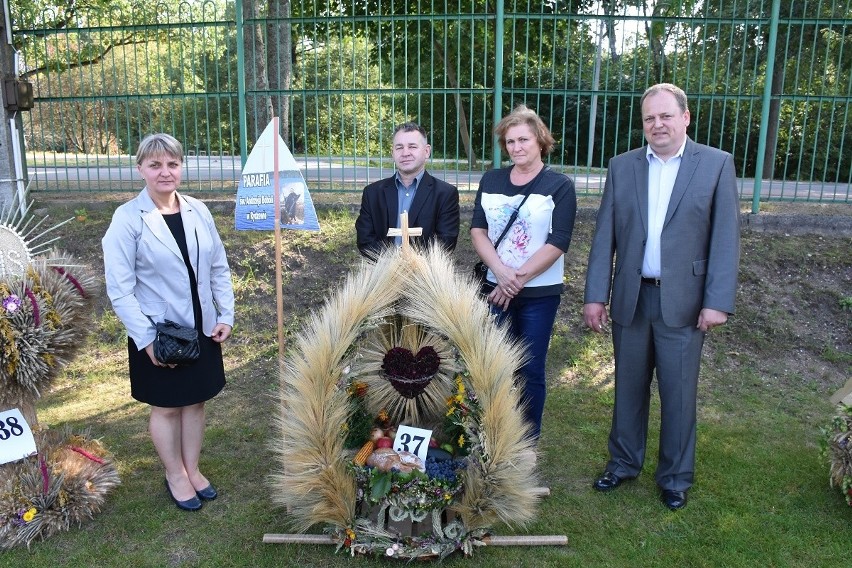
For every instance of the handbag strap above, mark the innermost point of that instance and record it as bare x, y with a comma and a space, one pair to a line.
517, 210
197, 262
197, 245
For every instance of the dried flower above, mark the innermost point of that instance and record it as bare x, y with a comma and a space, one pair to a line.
12, 303
359, 389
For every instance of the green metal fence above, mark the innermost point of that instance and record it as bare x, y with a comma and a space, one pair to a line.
770, 82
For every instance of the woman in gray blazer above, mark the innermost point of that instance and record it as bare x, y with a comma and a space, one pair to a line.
164, 259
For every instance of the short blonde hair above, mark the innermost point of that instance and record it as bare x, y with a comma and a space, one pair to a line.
157, 145
524, 115
676, 91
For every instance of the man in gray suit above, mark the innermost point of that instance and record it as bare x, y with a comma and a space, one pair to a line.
669, 217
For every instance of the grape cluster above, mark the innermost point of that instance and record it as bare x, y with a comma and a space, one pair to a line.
444, 470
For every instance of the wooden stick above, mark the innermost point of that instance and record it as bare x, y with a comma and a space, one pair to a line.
279, 279
403, 224
299, 539
526, 540
540, 491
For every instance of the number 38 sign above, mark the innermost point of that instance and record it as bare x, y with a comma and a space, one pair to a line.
16, 438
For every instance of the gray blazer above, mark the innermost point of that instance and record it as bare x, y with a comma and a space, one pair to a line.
699, 242
146, 275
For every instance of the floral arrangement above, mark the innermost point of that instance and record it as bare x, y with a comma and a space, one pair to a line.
837, 445
412, 316
416, 495
461, 424
415, 492
412, 494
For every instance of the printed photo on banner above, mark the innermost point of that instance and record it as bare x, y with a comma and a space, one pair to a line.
255, 208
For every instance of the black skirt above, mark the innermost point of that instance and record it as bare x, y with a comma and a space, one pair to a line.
181, 386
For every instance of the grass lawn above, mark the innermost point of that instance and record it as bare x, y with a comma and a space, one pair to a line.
761, 496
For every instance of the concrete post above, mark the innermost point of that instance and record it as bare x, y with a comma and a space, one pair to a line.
8, 177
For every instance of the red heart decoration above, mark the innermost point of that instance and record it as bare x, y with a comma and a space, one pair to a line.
410, 374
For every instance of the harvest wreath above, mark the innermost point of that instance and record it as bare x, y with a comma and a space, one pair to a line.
404, 341
43, 321
66, 484
837, 447
46, 301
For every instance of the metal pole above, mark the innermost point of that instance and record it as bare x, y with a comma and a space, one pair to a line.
593, 111
241, 83
21, 191
767, 99
498, 83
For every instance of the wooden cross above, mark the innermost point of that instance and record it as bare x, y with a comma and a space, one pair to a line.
405, 232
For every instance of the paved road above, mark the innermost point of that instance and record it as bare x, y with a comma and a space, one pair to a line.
320, 172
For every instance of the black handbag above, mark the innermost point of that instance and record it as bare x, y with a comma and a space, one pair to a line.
480, 270
176, 344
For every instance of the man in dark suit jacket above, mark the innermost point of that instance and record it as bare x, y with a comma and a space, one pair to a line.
432, 204
669, 217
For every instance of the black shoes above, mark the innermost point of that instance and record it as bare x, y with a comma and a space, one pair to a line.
191, 504
608, 481
207, 494
674, 500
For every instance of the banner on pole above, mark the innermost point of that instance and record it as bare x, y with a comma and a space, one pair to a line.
255, 210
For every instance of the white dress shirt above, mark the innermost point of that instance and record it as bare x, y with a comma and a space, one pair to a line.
661, 179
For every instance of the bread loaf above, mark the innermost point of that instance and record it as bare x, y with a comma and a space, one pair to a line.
385, 459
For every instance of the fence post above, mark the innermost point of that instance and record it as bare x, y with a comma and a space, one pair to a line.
498, 83
8, 175
241, 83
764, 114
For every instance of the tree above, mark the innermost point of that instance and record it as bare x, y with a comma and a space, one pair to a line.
812, 59
258, 104
7, 160
46, 18
279, 60
335, 116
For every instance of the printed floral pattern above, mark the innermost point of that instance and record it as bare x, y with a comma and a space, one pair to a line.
528, 233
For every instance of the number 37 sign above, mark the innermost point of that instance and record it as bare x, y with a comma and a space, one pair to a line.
16, 438
414, 440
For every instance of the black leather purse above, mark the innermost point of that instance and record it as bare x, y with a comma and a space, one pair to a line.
480, 271
176, 344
